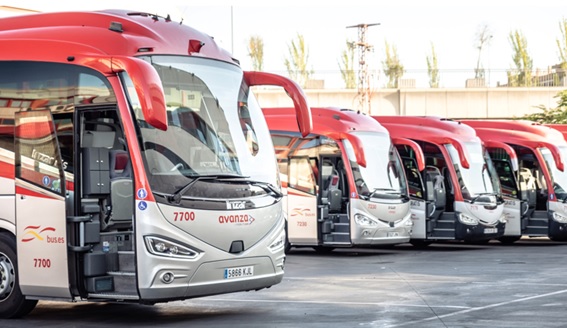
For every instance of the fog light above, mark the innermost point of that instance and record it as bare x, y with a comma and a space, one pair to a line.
167, 278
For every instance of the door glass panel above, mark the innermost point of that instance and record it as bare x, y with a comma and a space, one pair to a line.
37, 152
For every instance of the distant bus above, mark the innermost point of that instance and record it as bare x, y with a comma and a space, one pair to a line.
457, 196
345, 182
530, 160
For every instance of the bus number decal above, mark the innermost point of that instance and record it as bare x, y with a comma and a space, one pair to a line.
302, 223
184, 216
42, 263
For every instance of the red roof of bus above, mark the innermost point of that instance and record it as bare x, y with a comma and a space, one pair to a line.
90, 32
426, 128
327, 121
520, 132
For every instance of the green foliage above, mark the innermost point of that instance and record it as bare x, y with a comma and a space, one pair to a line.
433, 69
521, 76
346, 65
552, 115
297, 62
393, 68
562, 44
256, 52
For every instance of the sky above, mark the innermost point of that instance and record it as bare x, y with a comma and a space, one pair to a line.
411, 26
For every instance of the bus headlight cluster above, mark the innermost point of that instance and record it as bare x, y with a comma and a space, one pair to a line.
465, 219
559, 217
364, 220
162, 247
504, 218
278, 243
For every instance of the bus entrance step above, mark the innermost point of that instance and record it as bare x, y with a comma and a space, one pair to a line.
443, 233
115, 296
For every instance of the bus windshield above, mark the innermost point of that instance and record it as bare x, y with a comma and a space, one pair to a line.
559, 178
215, 129
383, 176
480, 178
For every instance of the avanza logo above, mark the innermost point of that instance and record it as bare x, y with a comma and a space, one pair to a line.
36, 232
301, 212
239, 219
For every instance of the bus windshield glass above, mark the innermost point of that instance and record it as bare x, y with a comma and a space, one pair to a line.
215, 128
480, 178
559, 178
383, 176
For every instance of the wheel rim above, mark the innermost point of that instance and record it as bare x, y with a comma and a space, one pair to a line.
7, 277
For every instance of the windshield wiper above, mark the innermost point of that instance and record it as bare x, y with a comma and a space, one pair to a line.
475, 198
268, 187
176, 196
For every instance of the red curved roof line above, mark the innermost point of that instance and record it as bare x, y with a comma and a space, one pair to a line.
90, 31
328, 121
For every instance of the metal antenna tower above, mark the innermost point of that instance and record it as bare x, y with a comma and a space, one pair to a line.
363, 77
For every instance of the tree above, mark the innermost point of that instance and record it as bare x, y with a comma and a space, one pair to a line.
393, 68
483, 37
346, 65
297, 62
522, 74
256, 52
552, 115
432, 68
562, 44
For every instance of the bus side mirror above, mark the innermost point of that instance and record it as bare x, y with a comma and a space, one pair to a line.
294, 91
148, 88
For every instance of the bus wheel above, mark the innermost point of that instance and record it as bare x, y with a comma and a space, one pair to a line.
509, 240
12, 303
418, 243
323, 249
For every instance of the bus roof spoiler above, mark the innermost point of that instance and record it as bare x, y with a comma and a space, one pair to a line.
419, 157
507, 148
293, 90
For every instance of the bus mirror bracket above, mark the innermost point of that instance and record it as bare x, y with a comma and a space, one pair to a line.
293, 90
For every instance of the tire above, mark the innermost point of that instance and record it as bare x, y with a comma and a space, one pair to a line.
323, 249
419, 243
287, 245
509, 240
12, 303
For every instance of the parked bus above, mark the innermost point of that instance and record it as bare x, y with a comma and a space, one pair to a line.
125, 172
457, 195
532, 176
345, 182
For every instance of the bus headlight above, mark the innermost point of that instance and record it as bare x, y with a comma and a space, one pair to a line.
559, 217
364, 220
278, 243
162, 247
504, 218
465, 219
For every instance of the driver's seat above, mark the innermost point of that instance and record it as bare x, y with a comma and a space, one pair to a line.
121, 209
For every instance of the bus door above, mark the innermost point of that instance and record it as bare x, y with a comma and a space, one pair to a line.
515, 206
41, 229
334, 218
421, 206
302, 201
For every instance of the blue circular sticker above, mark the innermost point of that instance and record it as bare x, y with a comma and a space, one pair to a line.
142, 205
46, 181
142, 193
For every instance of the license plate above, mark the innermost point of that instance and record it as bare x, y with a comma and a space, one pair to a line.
392, 234
490, 230
246, 271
